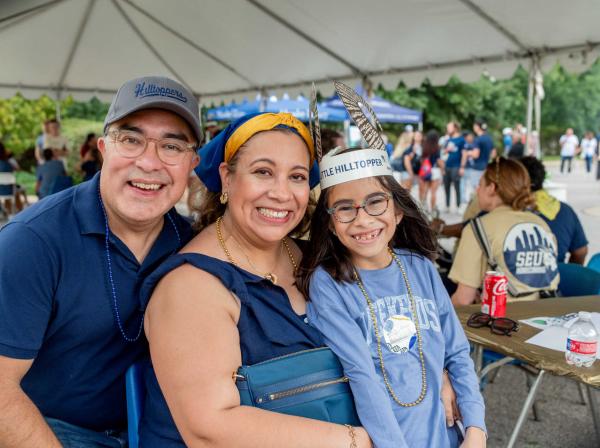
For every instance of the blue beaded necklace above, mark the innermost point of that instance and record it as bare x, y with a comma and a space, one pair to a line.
114, 303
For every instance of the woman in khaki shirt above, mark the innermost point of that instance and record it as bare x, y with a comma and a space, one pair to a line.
521, 242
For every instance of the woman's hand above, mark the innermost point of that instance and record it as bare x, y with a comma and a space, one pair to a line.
474, 438
362, 438
449, 399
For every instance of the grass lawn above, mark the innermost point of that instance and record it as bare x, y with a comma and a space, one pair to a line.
26, 180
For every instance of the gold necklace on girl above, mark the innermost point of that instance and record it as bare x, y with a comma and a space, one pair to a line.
271, 276
413, 307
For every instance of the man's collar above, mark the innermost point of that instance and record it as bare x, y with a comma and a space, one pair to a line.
88, 210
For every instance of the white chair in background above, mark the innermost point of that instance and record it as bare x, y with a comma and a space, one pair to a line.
8, 179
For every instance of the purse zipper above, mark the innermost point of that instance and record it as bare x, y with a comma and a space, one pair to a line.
300, 390
237, 377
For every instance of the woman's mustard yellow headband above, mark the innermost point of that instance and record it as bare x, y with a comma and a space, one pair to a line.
266, 122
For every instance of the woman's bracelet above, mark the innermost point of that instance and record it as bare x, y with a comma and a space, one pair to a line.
352, 436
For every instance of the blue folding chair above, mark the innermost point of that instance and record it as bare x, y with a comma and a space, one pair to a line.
594, 263
577, 280
135, 391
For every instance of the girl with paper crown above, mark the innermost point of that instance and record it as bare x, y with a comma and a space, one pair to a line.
379, 302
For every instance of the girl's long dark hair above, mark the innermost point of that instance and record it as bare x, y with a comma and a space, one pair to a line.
430, 144
325, 249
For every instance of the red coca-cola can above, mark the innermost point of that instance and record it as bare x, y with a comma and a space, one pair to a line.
493, 300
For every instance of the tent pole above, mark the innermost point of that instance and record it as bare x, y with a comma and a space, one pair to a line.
539, 96
57, 105
530, 93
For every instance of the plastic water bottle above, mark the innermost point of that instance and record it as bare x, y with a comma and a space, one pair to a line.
582, 341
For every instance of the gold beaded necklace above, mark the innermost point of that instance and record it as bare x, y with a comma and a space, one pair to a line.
271, 276
413, 307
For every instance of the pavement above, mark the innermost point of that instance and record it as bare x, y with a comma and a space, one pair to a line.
564, 421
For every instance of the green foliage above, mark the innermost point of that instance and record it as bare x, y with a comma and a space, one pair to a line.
27, 181
21, 119
572, 100
76, 129
500, 103
93, 109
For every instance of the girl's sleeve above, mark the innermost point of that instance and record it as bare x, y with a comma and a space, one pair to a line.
457, 358
327, 312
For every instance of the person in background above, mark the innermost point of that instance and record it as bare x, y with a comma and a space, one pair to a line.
211, 130
534, 146
331, 139
453, 154
569, 144
521, 242
410, 163
404, 141
47, 173
39, 143
517, 150
465, 162
475, 159
589, 144
55, 141
21, 200
507, 140
6, 190
90, 142
561, 218
90, 164
430, 171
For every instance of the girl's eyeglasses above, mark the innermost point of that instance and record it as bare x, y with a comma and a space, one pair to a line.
346, 212
498, 325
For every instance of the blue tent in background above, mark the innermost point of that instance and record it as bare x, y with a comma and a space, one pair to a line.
331, 110
234, 110
386, 111
297, 107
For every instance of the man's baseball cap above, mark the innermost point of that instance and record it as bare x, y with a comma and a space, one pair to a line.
155, 92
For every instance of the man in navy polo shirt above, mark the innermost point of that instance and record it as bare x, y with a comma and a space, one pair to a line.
475, 160
70, 320
452, 153
561, 218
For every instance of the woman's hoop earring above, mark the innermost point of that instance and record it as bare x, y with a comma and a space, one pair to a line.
224, 198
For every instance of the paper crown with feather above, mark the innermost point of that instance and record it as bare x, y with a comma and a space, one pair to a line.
336, 166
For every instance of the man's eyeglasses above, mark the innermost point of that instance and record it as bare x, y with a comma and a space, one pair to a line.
346, 212
498, 325
131, 144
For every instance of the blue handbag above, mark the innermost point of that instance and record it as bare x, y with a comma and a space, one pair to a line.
310, 383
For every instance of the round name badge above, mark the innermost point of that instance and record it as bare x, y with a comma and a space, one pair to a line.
399, 333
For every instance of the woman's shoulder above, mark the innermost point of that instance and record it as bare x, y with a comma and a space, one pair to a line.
185, 270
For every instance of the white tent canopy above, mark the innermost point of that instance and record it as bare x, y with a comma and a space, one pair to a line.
228, 49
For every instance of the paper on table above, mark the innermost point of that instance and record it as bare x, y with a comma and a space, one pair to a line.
555, 337
565, 320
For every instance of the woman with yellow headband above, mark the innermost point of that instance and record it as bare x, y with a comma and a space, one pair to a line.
229, 298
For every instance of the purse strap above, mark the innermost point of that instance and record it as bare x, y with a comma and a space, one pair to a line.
481, 237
